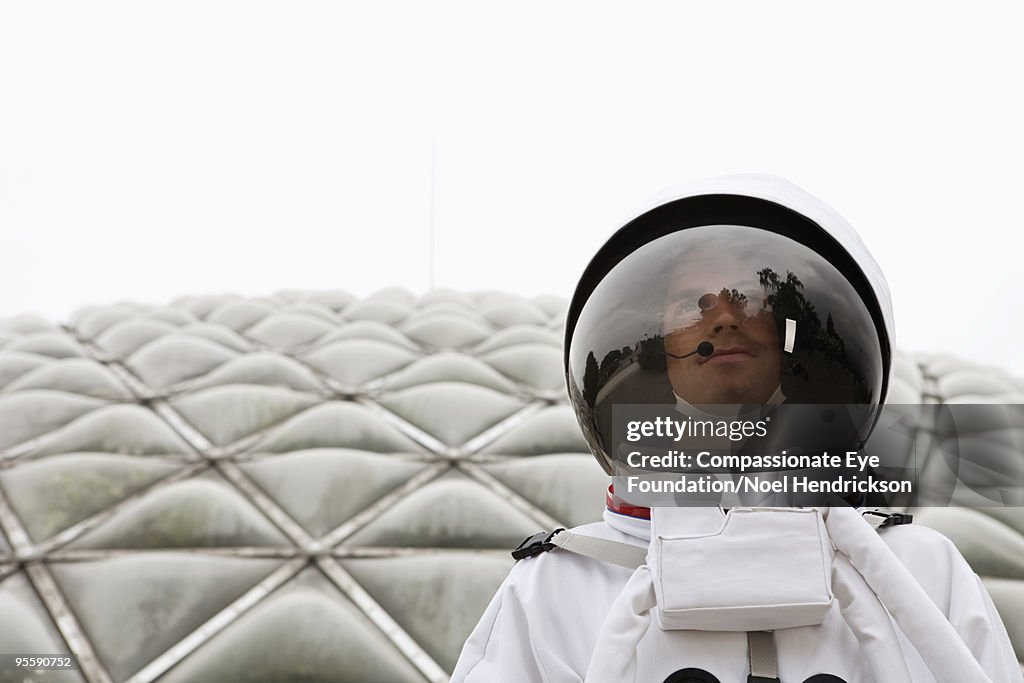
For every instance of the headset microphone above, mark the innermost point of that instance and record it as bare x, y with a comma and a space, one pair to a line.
705, 349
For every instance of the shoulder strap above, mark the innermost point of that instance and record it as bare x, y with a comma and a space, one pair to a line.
622, 554
614, 552
632, 556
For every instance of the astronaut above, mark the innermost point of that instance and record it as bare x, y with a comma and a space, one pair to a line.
735, 297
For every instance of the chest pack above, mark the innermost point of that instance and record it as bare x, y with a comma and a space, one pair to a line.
758, 571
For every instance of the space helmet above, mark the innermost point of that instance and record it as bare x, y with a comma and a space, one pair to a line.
729, 294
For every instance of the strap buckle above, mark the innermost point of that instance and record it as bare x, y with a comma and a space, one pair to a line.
884, 519
762, 679
535, 545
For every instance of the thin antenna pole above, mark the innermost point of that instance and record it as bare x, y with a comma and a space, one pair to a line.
432, 230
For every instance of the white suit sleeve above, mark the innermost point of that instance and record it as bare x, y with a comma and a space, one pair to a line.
508, 644
954, 587
499, 648
542, 624
980, 626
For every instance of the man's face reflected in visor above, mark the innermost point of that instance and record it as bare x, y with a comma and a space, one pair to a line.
736, 319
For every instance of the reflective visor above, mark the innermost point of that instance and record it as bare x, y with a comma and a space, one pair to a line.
721, 315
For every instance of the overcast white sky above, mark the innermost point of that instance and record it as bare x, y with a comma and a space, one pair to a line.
149, 150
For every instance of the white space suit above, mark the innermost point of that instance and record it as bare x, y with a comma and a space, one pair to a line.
544, 622
737, 287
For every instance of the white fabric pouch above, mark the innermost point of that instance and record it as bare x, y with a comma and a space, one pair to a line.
762, 569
